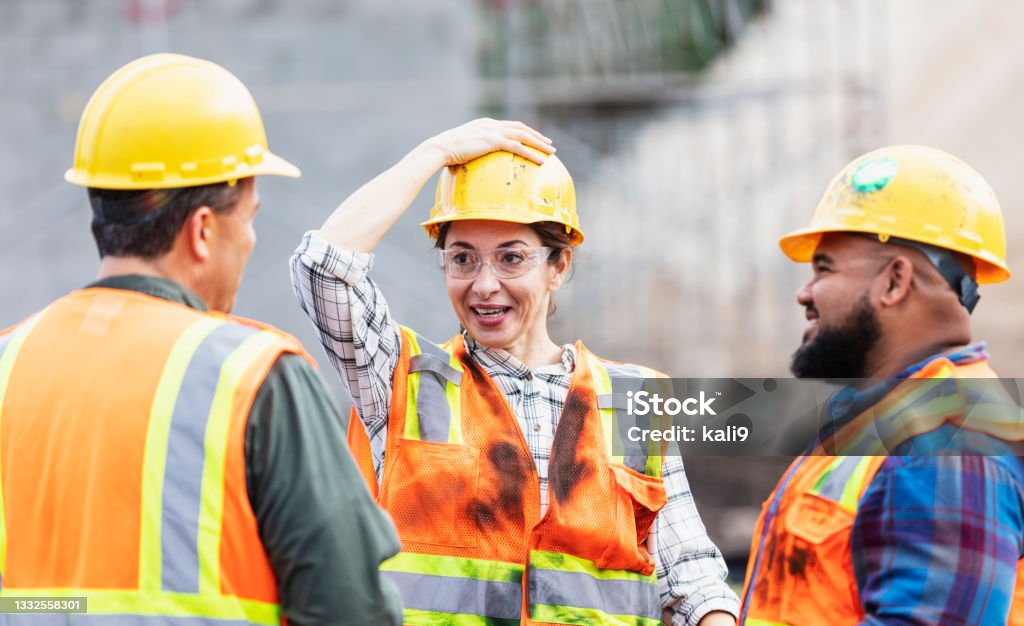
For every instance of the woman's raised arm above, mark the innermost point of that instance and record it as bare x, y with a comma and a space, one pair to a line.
362, 220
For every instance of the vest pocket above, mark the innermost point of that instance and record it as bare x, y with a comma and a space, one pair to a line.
638, 499
814, 519
813, 560
431, 493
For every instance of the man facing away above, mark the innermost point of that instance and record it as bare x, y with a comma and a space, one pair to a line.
898, 245
166, 461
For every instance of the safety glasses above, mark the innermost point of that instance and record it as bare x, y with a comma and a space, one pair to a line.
462, 263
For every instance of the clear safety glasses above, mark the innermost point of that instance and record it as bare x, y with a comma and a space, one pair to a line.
464, 264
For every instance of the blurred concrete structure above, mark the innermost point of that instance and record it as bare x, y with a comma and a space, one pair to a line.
345, 87
956, 81
684, 180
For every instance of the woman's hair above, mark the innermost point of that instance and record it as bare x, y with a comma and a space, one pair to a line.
552, 235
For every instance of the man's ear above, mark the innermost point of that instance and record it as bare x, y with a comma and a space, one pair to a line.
897, 278
199, 229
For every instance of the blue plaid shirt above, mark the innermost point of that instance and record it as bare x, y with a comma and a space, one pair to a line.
937, 539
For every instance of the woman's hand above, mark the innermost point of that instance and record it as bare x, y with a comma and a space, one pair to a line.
484, 135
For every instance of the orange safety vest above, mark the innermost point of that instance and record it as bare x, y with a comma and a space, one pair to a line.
803, 560
462, 488
122, 474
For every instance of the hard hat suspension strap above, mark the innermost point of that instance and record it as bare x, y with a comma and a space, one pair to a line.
945, 261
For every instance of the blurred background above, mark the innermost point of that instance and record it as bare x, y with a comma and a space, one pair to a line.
697, 132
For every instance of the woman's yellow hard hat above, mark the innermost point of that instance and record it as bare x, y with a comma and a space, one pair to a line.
508, 188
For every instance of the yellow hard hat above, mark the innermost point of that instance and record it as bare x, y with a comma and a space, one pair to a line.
508, 188
913, 193
169, 120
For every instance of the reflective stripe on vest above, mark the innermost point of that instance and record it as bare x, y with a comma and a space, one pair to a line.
924, 404
85, 619
443, 589
434, 378
105, 605
613, 382
844, 480
569, 590
201, 374
182, 488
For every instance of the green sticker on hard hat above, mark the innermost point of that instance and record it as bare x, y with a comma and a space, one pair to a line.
873, 175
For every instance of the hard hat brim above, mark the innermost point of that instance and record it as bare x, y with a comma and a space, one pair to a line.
274, 165
270, 165
523, 217
800, 245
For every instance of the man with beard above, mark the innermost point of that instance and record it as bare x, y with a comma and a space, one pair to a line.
898, 245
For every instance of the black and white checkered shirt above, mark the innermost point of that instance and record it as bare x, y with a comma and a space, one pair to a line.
362, 342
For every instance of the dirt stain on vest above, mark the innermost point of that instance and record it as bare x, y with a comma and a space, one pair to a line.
765, 583
509, 464
511, 467
797, 561
566, 471
485, 517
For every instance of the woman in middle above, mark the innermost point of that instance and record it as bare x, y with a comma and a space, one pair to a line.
493, 452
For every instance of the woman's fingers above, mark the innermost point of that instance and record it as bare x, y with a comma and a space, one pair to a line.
529, 135
543, 143
523, 134
485, 135
516, 146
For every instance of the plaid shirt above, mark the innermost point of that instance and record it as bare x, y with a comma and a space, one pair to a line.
362, 342
937, 539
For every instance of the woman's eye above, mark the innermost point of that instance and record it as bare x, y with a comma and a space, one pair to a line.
512, 257
461, 258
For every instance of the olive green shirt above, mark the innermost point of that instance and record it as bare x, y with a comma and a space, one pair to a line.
323, 533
